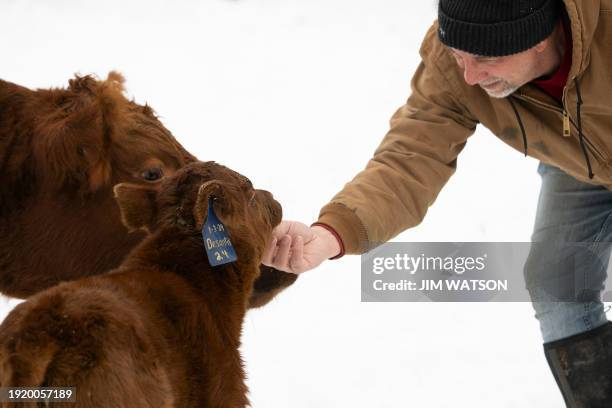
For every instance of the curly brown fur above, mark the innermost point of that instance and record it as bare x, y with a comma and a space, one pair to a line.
61, 151
163, 329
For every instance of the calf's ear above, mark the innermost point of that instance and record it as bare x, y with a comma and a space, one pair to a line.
211, 189
269, 283
138, 205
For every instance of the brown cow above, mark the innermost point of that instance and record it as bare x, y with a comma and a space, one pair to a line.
163, 329
61, 151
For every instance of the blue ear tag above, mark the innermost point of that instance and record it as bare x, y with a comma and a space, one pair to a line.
216, 239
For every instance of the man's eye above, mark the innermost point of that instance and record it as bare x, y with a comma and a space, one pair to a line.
152, 174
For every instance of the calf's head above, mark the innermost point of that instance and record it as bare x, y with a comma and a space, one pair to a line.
181, 203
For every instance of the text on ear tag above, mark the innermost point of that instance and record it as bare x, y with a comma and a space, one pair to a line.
218, 246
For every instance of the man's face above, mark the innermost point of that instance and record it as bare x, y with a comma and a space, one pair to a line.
498, 76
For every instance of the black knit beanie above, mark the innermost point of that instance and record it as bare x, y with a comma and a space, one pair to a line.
496, 28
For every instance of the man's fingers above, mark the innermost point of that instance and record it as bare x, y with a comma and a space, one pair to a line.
298, 248
269, 253
282, 256
297, 262
281, 229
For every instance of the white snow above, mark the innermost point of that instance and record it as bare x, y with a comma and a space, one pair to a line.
297, 95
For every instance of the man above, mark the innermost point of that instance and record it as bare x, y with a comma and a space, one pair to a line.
537, 74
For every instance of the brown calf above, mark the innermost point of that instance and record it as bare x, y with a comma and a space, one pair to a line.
163, 329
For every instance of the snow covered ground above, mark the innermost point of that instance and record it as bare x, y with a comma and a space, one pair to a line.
296, 95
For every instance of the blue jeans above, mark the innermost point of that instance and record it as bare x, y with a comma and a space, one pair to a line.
567, 265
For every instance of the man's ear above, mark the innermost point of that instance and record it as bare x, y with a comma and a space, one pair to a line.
210, 189
138, 205
542, 45
555, 39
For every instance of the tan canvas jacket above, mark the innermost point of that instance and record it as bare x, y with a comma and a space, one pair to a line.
418, 155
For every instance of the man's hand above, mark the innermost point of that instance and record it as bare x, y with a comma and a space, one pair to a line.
298, 248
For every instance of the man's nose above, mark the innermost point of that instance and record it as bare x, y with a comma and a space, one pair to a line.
473, 73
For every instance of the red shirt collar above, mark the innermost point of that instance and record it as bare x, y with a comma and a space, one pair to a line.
554, 84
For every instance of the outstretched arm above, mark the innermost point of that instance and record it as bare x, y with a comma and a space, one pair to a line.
399, 183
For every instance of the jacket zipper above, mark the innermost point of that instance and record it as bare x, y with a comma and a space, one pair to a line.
567, 131
567, 121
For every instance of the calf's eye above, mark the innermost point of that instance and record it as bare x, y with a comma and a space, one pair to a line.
152, 174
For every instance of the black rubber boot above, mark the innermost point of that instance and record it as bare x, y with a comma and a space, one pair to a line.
582, 366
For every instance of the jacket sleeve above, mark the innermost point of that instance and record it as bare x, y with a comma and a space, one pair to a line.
409, 168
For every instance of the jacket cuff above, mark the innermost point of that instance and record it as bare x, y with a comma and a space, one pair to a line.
347, 225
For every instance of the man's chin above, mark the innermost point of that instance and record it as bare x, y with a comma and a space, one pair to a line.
500, 93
